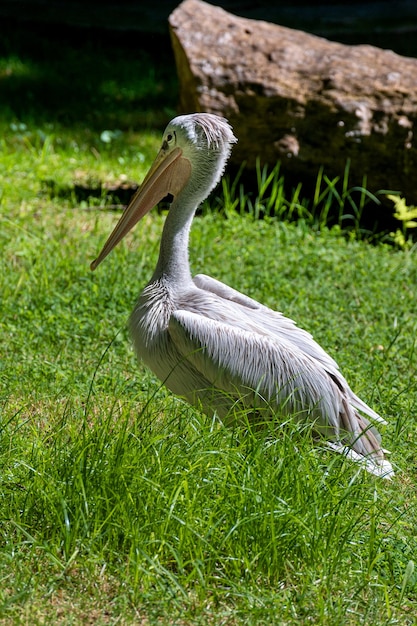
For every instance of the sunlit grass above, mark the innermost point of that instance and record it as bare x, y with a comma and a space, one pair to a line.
108, 478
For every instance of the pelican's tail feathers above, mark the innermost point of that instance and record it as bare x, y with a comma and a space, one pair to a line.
374, 464
361, 406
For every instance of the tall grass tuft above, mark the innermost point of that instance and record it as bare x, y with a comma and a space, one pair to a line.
333, 201
185, 504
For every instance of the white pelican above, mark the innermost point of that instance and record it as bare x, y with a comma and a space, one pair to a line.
217, 347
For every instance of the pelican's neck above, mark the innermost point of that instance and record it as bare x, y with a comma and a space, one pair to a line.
173, 262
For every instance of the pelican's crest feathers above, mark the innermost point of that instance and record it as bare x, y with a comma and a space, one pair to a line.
216, 130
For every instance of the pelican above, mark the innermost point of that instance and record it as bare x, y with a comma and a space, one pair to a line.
214, 346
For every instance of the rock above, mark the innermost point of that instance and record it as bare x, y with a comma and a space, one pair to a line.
299, 98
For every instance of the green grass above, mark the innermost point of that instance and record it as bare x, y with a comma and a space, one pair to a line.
334, 202
119, 503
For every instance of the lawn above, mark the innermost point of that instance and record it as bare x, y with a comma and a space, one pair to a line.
119, 503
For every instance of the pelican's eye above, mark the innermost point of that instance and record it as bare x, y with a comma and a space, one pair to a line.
171, 137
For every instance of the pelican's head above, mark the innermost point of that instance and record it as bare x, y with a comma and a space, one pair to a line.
192, 158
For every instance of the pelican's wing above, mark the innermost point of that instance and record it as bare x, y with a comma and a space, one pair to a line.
233, 359
207, 283
277, 325
272, 321
237, 361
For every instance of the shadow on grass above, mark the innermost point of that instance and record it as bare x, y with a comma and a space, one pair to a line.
82, 77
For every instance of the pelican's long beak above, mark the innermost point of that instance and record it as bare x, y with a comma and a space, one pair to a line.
167, 175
